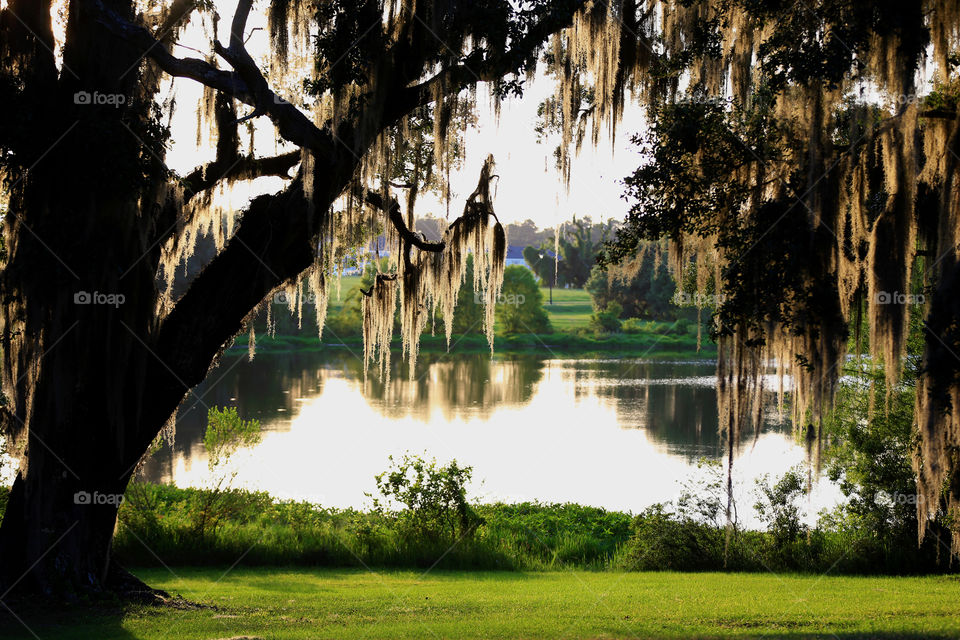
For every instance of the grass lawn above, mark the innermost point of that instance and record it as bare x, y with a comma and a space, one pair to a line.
347, 283
280, 603
571, 308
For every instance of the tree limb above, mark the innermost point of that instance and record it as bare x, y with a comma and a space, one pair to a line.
380, 279
245, 83
494, 66
246, 168
392, 209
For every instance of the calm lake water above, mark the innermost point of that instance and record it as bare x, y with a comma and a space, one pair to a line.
616, 433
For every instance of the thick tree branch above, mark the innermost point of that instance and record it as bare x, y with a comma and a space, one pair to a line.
246, 83
276, 239
392, 209
245, 168
274, 243
493, 66
239, 24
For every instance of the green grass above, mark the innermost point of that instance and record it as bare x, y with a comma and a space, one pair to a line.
347, 283
571, 308
281, 604
652, 344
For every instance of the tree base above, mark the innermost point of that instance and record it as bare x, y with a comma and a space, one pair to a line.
129, 588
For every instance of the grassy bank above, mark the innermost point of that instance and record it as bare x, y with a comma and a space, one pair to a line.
569, 316
571, 308
164, 525
295, 604
161, 524
660, 344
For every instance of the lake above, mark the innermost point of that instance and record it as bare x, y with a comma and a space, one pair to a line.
616, 433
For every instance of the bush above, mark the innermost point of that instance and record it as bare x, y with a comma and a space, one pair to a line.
634, 326
435, 498
681, 327
557, 534
644, 290
777, 506
607, 320
663, 542
520, 308
871, 459
226, 432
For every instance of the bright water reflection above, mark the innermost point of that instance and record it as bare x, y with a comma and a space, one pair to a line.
617, 433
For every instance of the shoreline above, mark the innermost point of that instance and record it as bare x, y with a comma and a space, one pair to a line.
660, 345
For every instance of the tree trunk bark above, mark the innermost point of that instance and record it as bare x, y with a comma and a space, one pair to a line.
56, 537
91, 371
79, 304
75, 371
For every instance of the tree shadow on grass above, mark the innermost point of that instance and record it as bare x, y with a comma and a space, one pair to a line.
22, 620
38, 619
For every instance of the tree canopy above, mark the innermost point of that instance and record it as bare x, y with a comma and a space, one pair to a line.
806, 170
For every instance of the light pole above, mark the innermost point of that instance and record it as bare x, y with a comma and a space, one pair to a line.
549, 281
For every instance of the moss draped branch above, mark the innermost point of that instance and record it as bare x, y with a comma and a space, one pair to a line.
392, 209
243, 168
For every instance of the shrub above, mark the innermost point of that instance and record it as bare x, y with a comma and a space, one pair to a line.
226, 432
435, 498
777, 506
944, 97
607, 320
633, 326
663, 542
520, 308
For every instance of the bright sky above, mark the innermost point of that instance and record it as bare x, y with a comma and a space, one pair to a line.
529, 185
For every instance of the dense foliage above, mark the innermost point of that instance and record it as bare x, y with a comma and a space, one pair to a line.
646, 292
520, 307
806, 170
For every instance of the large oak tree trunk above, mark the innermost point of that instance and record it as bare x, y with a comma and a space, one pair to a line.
76, 319
78, 311
91, 371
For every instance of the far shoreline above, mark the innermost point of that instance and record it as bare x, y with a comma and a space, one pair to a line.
628, 345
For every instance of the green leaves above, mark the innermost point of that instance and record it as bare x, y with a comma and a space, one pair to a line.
226, 432
435, 497
519, 309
